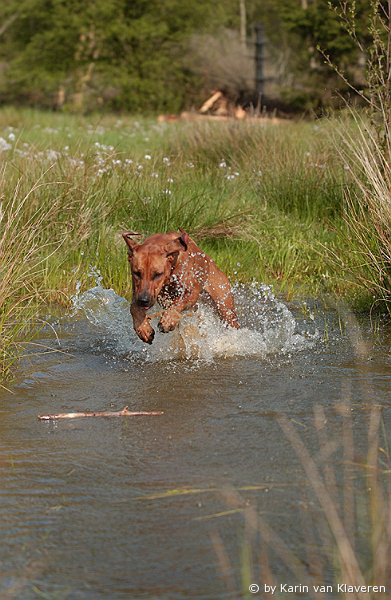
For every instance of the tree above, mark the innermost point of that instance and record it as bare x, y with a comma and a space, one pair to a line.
134, 54
120, 53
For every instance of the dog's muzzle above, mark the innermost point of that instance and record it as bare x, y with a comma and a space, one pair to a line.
145, 300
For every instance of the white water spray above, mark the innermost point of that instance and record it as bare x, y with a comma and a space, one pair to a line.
102, 322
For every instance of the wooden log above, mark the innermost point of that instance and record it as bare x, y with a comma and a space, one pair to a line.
167, 118
222, 109
193, 116
125, 412
210, 101
240, 113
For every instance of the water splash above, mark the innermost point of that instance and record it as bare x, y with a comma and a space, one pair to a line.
101, 322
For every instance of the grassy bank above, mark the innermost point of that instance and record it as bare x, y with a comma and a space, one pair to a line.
265, 201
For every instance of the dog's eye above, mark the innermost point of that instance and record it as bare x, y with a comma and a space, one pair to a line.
157, 275
137, 274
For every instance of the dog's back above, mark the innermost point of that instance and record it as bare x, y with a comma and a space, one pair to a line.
171, 268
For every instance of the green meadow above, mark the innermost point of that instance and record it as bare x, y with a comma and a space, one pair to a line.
268, 202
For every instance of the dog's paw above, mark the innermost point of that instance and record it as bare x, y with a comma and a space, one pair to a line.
169, 320
146, 333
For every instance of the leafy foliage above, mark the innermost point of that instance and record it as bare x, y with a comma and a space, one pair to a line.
138, 55
121, 53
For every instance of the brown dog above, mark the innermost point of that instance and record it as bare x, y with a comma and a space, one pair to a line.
171, 269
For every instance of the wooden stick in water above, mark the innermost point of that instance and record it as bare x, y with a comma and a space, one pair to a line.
104, 413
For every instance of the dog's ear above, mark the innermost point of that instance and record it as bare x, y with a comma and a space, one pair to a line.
184, 239
180, 243
131, 244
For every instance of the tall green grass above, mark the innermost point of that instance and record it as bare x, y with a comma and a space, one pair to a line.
265, 201
23, 243
367, 207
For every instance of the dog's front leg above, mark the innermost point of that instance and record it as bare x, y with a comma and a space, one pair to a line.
141, 324
171, 317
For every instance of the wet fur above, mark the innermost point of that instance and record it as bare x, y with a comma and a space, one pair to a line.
170, 269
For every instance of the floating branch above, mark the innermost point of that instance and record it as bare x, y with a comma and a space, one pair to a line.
104, 413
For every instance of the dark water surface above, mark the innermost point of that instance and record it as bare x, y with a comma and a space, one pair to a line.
96, 508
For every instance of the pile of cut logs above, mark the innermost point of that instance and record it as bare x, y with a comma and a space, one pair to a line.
217, 107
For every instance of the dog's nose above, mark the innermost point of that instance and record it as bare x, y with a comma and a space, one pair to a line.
144, 300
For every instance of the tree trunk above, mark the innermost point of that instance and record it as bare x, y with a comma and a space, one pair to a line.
60, 98
243, 23
88, 46
8, 23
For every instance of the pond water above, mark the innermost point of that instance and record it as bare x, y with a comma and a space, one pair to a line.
141, 507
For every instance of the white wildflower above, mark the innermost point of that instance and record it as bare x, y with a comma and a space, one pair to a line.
4, 145
52, 154
50, 130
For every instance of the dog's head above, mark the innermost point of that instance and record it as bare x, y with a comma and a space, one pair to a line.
152, 264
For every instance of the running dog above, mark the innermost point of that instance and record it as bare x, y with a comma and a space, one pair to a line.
170, 268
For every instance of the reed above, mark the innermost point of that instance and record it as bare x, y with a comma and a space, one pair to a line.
367, 210
22, 246
344, 506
